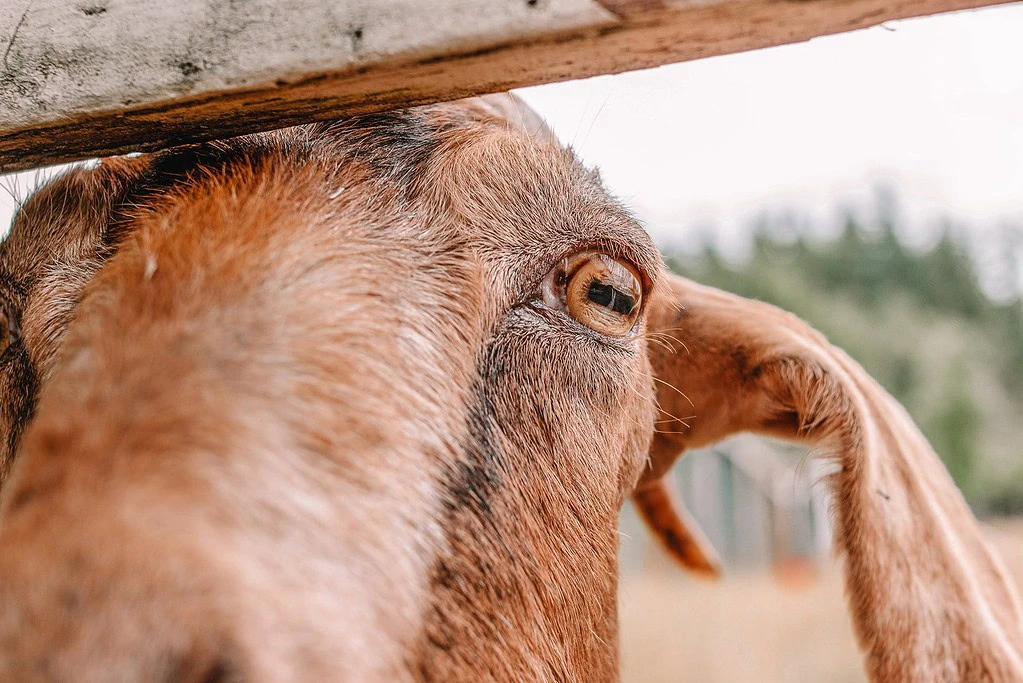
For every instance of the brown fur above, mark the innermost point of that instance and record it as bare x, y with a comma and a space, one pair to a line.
287, 408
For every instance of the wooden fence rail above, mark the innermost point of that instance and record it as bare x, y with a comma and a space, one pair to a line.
81, 78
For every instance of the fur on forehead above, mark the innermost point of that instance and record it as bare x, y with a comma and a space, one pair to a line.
64, 219
526, 202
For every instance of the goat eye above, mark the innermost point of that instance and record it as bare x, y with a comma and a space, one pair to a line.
601, 292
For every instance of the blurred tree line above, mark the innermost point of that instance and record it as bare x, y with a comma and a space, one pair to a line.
917, 319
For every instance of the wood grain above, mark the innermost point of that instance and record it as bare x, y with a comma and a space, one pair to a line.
82, 78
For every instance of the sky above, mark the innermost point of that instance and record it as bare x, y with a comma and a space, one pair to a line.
931, 107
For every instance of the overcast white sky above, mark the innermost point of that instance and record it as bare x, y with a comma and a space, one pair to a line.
934, 106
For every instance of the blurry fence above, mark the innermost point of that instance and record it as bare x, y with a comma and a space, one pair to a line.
755, 501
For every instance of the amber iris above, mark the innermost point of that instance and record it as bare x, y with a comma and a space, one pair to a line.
600, 291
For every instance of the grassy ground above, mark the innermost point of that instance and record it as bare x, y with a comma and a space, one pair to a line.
749, 628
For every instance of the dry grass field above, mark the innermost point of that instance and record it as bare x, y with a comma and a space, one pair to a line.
750, 627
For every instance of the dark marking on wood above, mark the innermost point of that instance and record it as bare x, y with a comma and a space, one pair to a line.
14, 37
356, 35
624, 8
188, 68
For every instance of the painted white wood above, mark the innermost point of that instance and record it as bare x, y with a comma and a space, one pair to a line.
68, 57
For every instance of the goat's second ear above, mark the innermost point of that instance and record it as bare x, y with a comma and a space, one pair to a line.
667, 518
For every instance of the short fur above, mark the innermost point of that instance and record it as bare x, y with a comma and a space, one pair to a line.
289, 408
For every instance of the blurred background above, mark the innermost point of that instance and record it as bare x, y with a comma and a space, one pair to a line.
871, 182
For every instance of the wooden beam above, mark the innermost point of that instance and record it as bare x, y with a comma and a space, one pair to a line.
81, 78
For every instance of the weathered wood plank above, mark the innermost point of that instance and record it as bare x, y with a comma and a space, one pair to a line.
83, 78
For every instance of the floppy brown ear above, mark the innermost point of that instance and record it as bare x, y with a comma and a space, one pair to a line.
930, 601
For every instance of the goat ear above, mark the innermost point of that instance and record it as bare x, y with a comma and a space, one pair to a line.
929, 599
664, 514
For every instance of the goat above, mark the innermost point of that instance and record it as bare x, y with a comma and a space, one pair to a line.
362, 401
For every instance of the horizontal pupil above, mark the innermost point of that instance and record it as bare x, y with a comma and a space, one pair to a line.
609, 297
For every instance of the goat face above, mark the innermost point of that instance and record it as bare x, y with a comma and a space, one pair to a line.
345, 401
361, 402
